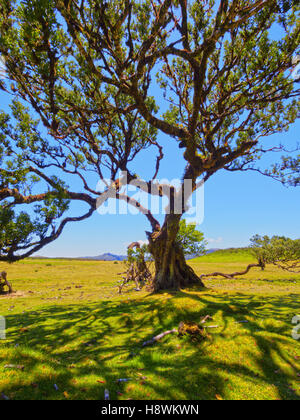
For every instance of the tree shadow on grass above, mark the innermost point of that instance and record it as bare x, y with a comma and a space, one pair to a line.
75, 348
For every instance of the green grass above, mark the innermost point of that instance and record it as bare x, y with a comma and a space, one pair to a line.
68, 327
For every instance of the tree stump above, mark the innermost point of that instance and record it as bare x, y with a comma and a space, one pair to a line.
4, 282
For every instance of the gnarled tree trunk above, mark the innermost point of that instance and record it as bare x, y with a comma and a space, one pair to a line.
171, 269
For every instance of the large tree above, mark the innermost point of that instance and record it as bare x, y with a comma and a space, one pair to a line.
81, 76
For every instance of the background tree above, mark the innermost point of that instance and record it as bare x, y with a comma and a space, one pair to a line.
81, 76
278, 250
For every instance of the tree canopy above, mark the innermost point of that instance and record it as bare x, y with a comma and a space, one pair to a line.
83, 79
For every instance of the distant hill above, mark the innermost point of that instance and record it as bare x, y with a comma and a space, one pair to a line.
228, 255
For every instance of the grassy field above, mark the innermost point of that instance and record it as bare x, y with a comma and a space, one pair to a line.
73, 336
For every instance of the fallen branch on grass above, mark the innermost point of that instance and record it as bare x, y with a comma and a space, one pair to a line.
158, 337
231, 276
20, 367
206, 318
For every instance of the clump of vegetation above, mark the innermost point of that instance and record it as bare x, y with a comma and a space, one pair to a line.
193, 330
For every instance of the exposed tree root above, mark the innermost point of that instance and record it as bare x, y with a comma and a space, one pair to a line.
158, 337
231, 276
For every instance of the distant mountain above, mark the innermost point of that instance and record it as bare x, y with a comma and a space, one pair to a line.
106, 257
210, 251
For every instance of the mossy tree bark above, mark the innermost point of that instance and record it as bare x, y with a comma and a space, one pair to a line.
171, 269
